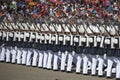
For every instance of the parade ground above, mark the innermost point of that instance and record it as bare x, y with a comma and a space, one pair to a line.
10, 71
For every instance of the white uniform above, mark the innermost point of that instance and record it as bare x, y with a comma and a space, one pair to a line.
29, 57
35, 58
45, 59
109, 66
40, 59
49, 61
55, 62
19, 55
63, 61
94, 65
85, 64
7, 53
69, 62
118, 69
14, 53
78, 64
2, 55
100, 66
24, 56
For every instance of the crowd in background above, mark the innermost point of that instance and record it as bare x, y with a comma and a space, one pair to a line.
61, 9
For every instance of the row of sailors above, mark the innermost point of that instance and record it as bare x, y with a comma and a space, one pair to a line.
82, 62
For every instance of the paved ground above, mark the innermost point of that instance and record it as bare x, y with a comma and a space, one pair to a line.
19, 72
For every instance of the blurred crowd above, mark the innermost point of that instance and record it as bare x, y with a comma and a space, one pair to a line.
61, 9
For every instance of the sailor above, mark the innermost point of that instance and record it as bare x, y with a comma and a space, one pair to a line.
94, 61
55, 61
2, 55
45, 58
85, 60
70, 58
24, 55
100, 61
35, 57
14, 53
118, 65
40, 58
50, 56
29, 57
118, 69
7, 54
63, 59
40, 55
19, 55
79, 60
110, 54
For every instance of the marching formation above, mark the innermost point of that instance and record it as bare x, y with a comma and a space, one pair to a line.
85, 60
82, 47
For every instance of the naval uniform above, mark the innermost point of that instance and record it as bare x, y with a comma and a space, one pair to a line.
29, 57
56, 58
118, 64
40, 59
2, 55
35, 57
70, 58
86, 60
94, 61
7, 54
100, 62
45, 58
64, 55
50, 50
13, 53
24, 56
19, 55
110, 61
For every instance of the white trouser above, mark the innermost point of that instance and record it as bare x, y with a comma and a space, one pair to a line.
7, 54
55, 62
19, 54
49, 62
78, 64
69, 62
63, 60
40, 60
100, 66
29, 58
13, 52
35, 57
24, 55
94, 65
2, 55
118, 69
85, 65
45, 59
109, 67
